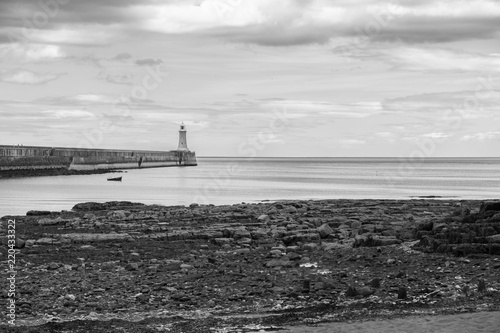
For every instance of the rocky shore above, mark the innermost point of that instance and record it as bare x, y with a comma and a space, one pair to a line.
129, 267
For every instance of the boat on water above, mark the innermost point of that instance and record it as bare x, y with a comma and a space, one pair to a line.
115, 179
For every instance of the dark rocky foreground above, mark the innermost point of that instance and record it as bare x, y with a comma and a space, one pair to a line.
129, 267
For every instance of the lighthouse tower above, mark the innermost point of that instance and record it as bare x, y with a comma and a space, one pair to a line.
182, 139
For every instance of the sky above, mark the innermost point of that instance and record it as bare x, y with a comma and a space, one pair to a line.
253, 78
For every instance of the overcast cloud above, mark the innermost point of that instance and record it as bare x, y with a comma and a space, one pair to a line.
350, 78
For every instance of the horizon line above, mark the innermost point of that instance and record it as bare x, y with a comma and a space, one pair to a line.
393, 157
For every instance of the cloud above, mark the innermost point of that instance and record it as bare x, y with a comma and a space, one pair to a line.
61, 114
478, 103
276, 23
91, 98
122, 56
27, 77
30, 52
307, 108
482, 136
126, 79
436, 59
148, 62
352, 141
437, 135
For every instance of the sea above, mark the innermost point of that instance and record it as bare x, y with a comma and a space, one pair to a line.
223, 180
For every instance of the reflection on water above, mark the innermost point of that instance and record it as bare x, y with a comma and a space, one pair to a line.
227, 181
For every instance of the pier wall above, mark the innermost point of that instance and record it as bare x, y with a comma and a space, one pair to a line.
36, 158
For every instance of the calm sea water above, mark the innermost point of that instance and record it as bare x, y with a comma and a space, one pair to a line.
233, 180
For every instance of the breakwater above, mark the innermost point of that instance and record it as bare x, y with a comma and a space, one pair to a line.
32, 158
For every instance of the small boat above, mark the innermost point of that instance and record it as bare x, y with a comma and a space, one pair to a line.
116, 179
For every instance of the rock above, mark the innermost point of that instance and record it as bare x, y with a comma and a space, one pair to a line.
279, 262
288, 240
465, 211
331, 246
324, 230
374, 240
355, 225
294, 256
263, 218
375, 283
37, 213
275, 253
306, 286
309, 237
87, 237
437, 227
310, 246
172, 266
92, 206
53, 266
120, 214
194, 205
425, 225
87, 247
290, 210
481, 286
142, 298
319, 286
242, 233
402, 293
489, 206
367, 228
351, 291
108, 265
272, 211
52, 221
244, 241
493, 239
404, 207
259, 233
222, 241
208, 234
241, 251
19, 243
364, 291
133, 266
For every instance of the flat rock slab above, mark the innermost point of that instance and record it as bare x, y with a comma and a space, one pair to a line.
480, 322
87, 237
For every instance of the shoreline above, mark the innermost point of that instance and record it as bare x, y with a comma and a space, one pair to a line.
275, 264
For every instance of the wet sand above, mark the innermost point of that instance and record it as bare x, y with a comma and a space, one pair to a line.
479, 322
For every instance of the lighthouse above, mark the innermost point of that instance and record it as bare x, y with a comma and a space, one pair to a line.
182, 139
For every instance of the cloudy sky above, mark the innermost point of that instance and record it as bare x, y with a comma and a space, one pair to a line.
253, 77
